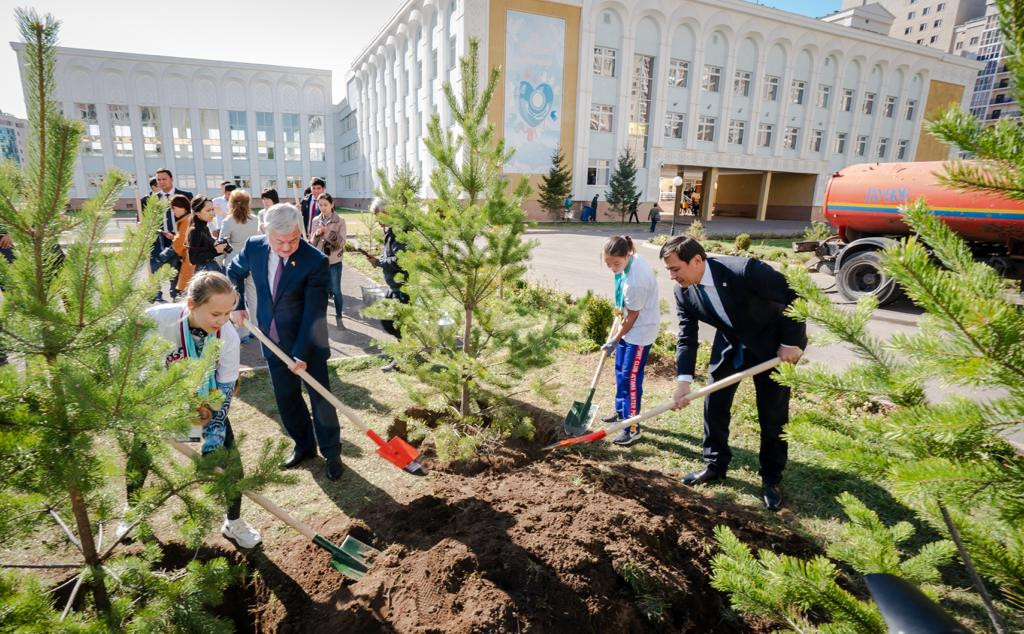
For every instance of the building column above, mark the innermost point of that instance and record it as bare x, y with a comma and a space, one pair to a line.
708, 192
762, 199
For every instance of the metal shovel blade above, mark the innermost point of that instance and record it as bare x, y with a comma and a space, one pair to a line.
580, 417
352, 560
402, 455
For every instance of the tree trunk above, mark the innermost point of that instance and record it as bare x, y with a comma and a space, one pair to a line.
99, 586
464, 403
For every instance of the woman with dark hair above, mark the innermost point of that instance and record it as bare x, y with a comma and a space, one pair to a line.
202, 248
239, 226
268, 198
636, 299
329, 232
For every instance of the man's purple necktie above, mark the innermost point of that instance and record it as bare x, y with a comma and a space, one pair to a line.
273, 295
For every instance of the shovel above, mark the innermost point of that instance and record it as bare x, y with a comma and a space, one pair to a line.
396, 451
581, 415
352, 558
609, 430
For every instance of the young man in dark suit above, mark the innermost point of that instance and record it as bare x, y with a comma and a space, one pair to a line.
745, 300
291, 278
165, 191
309, 207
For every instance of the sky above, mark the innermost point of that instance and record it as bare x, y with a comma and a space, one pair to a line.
305, 33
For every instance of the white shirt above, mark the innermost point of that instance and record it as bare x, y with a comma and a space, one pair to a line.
168, 318
641, 295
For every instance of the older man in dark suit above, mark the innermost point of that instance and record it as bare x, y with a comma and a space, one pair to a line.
745, 300
291, 278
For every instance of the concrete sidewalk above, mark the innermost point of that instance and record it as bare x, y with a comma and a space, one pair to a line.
716, 228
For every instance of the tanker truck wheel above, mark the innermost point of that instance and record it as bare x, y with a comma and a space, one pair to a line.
862, 275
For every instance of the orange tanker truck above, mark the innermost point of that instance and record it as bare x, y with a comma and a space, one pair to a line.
863, 203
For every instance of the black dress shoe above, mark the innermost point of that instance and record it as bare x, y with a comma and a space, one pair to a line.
772, 497
295, 459
334, 468
702, 477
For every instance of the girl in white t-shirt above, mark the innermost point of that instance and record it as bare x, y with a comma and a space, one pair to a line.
191, 326
636, 299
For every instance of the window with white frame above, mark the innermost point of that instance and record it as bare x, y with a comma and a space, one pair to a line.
601, 117
926, 11
847, 103
789, 140
911, 15
840, 146
937, 23
121, 130
712, 78
824, 95
862, 145
350, 152
869, 103
597, 171
348, 122
940, 6
604, 61
92, 141
317, 138
771, 88
883, 147
901, 149
737, 131
242, 181
236, 127
185, 181
265, 134
678, 73
293, 183
152, 146
350, 182
181, 133
706, 129
451, 53
764, 134
889, 107
292, 138
741, 83
93, 182
675, 125
213, 182
911, 105
816, 137
268, 182
796, 91
210, 122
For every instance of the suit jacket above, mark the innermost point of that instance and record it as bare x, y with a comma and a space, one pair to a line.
168, 224
309, 202
300, 309
755, 297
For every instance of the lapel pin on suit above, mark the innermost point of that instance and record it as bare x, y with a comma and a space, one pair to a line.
293, 262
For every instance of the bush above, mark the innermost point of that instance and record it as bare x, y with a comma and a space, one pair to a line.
818, 231
742, 242
659, 239
598, 315
696, 231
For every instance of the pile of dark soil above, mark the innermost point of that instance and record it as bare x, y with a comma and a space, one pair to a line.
562, 545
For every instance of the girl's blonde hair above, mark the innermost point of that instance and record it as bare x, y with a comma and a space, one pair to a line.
206, 284
238, 203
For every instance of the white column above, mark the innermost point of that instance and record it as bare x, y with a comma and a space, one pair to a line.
693, 81
756, 98
810, 98
833, 114
728, 77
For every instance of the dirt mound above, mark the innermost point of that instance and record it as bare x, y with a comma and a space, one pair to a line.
562, 545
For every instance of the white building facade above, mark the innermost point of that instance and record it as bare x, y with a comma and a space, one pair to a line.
756, 107
260, 126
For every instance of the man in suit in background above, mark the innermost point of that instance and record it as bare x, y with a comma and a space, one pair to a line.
309, 207
165, 191
744, 299
291, 278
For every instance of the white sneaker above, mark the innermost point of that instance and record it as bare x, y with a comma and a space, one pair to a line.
240, 532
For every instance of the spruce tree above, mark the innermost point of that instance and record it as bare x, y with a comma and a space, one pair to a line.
463, 340
622, 190
556, 184
87, 383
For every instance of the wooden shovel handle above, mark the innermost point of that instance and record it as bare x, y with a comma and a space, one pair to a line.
694, 395
272, 508
313, 383
604, 356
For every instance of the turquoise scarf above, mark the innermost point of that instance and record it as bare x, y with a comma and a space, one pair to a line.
620, 285
210, 383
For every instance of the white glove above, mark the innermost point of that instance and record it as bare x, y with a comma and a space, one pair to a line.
609, 347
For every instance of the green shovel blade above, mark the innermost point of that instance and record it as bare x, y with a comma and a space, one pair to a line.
351, 559
577, 421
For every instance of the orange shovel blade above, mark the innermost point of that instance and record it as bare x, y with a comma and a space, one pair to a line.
399, 453
591, 437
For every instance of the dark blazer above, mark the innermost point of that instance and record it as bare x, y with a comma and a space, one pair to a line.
755, 297
168, 224
307, 203
301, 306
